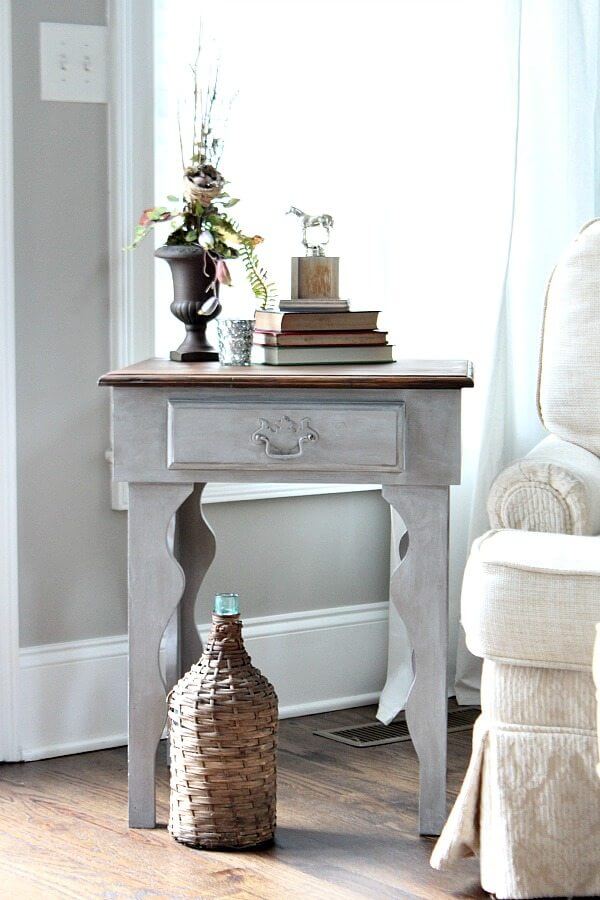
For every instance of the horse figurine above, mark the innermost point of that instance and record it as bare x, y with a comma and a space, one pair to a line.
324, 221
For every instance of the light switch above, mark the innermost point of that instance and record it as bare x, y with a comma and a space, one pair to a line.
73, 64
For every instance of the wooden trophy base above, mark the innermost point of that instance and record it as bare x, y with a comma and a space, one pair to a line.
315, 276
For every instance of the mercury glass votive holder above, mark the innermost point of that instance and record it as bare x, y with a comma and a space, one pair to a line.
235, 341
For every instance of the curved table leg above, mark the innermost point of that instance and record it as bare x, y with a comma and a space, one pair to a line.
419, 589
195, 551
156, 583
194, 548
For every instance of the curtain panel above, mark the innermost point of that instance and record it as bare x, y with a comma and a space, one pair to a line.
454, 143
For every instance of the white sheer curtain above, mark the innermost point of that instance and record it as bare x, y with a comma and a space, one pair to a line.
555, 155
401, 118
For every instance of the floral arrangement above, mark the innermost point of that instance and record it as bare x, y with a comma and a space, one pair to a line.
201, 216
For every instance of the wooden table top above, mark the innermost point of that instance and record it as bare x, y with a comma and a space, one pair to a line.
406, 373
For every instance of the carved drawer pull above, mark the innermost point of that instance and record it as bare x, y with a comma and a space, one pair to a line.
285, 438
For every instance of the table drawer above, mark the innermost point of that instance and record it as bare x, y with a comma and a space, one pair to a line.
300, 437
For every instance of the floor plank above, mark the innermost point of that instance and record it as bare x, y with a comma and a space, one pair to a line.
346, 829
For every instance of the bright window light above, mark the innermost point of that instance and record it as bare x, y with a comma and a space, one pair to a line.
395, 117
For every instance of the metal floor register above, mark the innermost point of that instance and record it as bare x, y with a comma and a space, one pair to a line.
372, 734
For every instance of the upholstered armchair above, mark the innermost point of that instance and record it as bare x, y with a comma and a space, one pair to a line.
530, 802
556, 487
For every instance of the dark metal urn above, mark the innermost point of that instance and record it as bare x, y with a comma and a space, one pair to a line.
196, 299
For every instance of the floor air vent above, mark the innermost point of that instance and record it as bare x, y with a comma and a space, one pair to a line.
372, 734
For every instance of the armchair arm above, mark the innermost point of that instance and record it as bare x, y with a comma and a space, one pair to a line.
556, 488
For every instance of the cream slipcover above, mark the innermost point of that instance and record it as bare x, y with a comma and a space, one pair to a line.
569, 375
529, 598
530, 802
557, 486
596, 670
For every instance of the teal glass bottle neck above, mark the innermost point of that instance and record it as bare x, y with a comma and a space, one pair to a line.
227, 605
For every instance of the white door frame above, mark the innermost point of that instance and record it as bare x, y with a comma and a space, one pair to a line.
131, 178
9, 575
130, 187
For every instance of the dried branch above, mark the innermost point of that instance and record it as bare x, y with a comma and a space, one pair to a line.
180, 139
194, 68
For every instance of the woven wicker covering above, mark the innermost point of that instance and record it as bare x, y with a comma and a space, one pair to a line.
223, 733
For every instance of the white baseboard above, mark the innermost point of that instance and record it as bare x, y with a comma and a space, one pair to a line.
74, 695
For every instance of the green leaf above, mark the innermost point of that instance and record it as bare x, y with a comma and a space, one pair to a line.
231, 202
172, 198
263, 289
191, 236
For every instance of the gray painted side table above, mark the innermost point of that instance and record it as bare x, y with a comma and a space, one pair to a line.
178, 426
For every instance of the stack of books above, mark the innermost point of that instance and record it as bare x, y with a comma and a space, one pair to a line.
322, 336
315, 326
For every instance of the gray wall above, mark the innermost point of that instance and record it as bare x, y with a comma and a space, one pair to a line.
71, 545
301, 553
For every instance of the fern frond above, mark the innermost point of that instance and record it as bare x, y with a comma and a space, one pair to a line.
262, 288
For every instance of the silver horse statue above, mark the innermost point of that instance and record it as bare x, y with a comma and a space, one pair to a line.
324, 223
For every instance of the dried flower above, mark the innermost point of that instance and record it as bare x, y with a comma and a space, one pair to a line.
202, 219
223, 275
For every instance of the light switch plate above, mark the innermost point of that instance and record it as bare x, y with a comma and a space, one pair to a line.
73, 62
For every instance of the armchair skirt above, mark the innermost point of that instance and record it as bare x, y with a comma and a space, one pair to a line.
530, 802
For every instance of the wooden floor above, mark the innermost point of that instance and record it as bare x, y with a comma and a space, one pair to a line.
347, 829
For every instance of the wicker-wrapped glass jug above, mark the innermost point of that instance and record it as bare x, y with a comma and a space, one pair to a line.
223, 734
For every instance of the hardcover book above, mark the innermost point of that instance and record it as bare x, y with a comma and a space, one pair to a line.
302, 356
317, 304
319, 338
271, 320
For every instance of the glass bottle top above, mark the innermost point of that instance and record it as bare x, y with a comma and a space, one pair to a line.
227, 605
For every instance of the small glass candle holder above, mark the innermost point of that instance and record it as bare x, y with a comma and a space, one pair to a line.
235, 341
